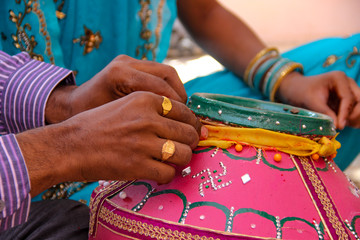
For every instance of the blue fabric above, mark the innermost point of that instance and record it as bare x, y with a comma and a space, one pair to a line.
120, 26
117, 21
312, 56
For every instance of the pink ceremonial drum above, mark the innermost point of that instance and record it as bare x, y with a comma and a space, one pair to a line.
266, 171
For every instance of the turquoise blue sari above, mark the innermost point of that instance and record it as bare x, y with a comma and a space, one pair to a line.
138, 28
85, 35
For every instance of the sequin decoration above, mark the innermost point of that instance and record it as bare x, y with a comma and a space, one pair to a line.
21, 39
186, 171
350, 62
245, 178
353, 188
330, 164
352, 230
139, 206
90, 40
259, 156
185, 213
145, 14
330, 60
210, 182
318, 230
215, 152
59, 13
278, 228
63, 190
229, 222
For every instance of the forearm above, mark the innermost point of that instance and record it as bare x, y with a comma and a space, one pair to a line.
49, 155
220, 33
25, 87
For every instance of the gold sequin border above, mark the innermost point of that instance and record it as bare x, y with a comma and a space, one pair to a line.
324, 199
147, 230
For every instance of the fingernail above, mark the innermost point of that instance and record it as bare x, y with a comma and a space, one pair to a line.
204, 133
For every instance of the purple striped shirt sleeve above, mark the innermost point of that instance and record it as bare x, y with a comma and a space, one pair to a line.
25, 85
14, 184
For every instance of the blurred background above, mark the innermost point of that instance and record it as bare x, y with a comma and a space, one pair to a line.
281, 23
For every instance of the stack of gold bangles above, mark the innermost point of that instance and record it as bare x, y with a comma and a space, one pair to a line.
266, 71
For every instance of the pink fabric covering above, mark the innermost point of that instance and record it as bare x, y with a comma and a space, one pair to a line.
290, 199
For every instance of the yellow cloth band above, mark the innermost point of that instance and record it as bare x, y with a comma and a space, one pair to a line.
225, 137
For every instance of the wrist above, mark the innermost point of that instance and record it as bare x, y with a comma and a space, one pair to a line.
48, 155
286, 86
58, 107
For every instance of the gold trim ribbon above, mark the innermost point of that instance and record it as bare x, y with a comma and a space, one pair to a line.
225, 137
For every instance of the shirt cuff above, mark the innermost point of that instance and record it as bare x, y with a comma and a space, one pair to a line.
27, 91
14, 184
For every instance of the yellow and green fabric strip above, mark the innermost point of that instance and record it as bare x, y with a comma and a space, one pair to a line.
225, 137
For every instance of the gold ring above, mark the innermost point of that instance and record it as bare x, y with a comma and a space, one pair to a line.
168, 149
166, 106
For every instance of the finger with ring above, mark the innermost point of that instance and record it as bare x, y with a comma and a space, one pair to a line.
168, 150
166, 106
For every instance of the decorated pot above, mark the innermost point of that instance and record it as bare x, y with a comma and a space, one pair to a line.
266, 171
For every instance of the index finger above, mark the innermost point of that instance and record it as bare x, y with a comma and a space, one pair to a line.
167, 73
347, 101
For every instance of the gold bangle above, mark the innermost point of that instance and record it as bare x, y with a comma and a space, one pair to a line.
253, 61
282, 75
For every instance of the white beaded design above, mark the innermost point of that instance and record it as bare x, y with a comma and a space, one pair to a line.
211, 179
230, 220
143, 201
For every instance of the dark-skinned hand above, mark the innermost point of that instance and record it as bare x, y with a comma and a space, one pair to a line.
120, 140
119, 78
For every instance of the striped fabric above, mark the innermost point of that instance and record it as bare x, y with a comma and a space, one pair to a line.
25, 85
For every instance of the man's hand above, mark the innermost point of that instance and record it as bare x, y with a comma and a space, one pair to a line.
121, 140
331, 93
121, 77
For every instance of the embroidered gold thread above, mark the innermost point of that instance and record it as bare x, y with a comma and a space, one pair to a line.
145, 34
89, 40
21, 39
158, 27
43, 30
326, 229
117, 233
145, 229
59, 13
330, 60
324, 199
351, 63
